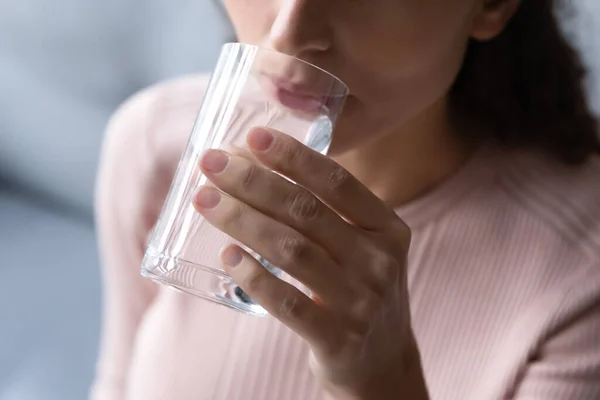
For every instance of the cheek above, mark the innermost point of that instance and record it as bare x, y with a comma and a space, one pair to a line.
397, 77
406, 63
252, 20
412, 77
408, 56
406, 40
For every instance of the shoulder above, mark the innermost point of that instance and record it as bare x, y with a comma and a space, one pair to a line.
171, 105
550, 217
167, 106
166, 96
143, 143
566, 199
162, 100
155, 123
538, 219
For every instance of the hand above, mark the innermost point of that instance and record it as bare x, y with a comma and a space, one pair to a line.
332, 234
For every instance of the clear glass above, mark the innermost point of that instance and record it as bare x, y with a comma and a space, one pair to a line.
250, 87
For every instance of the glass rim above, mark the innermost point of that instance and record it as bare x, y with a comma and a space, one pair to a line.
266, 49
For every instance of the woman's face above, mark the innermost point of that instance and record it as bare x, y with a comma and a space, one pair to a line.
398, 57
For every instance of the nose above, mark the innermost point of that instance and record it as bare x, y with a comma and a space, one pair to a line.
301, 28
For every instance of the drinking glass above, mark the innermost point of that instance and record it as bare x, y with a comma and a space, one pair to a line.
251, 86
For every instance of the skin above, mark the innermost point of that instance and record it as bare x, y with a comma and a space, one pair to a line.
336, 231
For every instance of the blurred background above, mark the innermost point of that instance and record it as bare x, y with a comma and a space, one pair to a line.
65, 66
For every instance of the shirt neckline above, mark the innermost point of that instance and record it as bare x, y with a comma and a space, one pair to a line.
432, 205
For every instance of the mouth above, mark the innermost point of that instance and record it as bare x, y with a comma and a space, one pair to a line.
297, 96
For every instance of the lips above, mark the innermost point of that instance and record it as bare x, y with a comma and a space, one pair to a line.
295, 96
298, 101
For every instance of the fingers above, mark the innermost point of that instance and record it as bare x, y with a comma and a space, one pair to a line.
323, 177
280, 199
281, 245
282, 300
245, 153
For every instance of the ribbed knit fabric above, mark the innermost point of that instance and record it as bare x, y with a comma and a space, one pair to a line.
504, 275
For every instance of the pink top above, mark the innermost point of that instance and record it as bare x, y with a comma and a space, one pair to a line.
504, 277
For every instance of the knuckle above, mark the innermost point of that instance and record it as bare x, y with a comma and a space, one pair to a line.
367, 307
379, 256
292, 156
233, 216
290, 308
255, 282
385, 268
303, 206
248, 176
385, 260
339, 177
293, 248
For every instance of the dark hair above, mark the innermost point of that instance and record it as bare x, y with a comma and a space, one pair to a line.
527, 87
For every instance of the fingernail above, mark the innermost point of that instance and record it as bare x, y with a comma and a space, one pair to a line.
260, 139
214, 161
208, 198
232, 256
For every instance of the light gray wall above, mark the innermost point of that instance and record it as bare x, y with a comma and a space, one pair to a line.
65, 65
582, 23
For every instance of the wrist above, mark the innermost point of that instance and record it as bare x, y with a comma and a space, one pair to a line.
405, 381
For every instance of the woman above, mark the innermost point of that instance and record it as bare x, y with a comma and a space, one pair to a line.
466, 138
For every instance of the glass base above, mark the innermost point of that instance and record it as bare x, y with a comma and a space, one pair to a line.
199, 280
